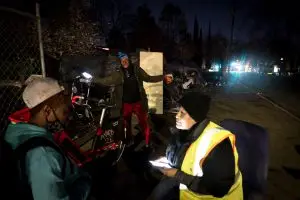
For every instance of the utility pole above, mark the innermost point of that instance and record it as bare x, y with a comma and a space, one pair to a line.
39, 30
233, 11
233, 14
209, 48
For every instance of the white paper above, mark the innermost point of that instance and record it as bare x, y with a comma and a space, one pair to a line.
152, 63
161, 162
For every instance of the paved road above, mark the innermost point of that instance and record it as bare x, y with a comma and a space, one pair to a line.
283, 90
238, 102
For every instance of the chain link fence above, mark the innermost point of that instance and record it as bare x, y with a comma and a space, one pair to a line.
19, 58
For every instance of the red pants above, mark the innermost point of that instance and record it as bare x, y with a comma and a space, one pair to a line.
137, 109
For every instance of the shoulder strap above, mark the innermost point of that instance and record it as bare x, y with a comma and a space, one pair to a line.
21, 151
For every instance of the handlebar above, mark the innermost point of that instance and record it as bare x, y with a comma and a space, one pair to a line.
101, 104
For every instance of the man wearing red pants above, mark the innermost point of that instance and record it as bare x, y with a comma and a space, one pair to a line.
130, 96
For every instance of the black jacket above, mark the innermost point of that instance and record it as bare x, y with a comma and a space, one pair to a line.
117, 79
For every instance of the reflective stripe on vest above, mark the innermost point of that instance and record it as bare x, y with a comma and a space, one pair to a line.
211, 136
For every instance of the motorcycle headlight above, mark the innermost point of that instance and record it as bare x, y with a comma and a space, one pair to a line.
87, 75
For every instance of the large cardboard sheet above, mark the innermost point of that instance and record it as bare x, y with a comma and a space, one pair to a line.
152, 63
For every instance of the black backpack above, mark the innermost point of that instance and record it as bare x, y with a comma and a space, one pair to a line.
12, 167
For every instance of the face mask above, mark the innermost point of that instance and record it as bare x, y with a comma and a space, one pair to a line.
56, 125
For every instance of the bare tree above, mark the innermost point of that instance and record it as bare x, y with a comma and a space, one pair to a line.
75, 35
275, 22
173, 22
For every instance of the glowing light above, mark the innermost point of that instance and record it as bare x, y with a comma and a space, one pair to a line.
276, 69
87, 75
237, 65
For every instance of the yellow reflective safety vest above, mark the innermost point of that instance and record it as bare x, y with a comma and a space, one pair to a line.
211, 136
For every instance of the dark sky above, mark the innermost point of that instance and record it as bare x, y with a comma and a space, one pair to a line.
216, 11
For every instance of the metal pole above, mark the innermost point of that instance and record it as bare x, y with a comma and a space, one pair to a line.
233, 15
232, 29
39, 29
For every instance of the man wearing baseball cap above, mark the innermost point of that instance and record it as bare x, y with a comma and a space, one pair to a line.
49, 174
130, 95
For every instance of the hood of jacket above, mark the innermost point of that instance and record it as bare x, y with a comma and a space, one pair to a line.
19, 133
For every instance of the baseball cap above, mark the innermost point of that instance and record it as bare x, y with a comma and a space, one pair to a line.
39, 90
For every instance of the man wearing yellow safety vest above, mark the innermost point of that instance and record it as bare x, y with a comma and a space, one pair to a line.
202, 158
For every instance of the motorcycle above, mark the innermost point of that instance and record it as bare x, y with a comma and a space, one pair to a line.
90, 133
91, 115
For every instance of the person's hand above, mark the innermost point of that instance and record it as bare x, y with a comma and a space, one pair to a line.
168, 172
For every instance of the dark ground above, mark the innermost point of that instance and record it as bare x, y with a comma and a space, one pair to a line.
237, 101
